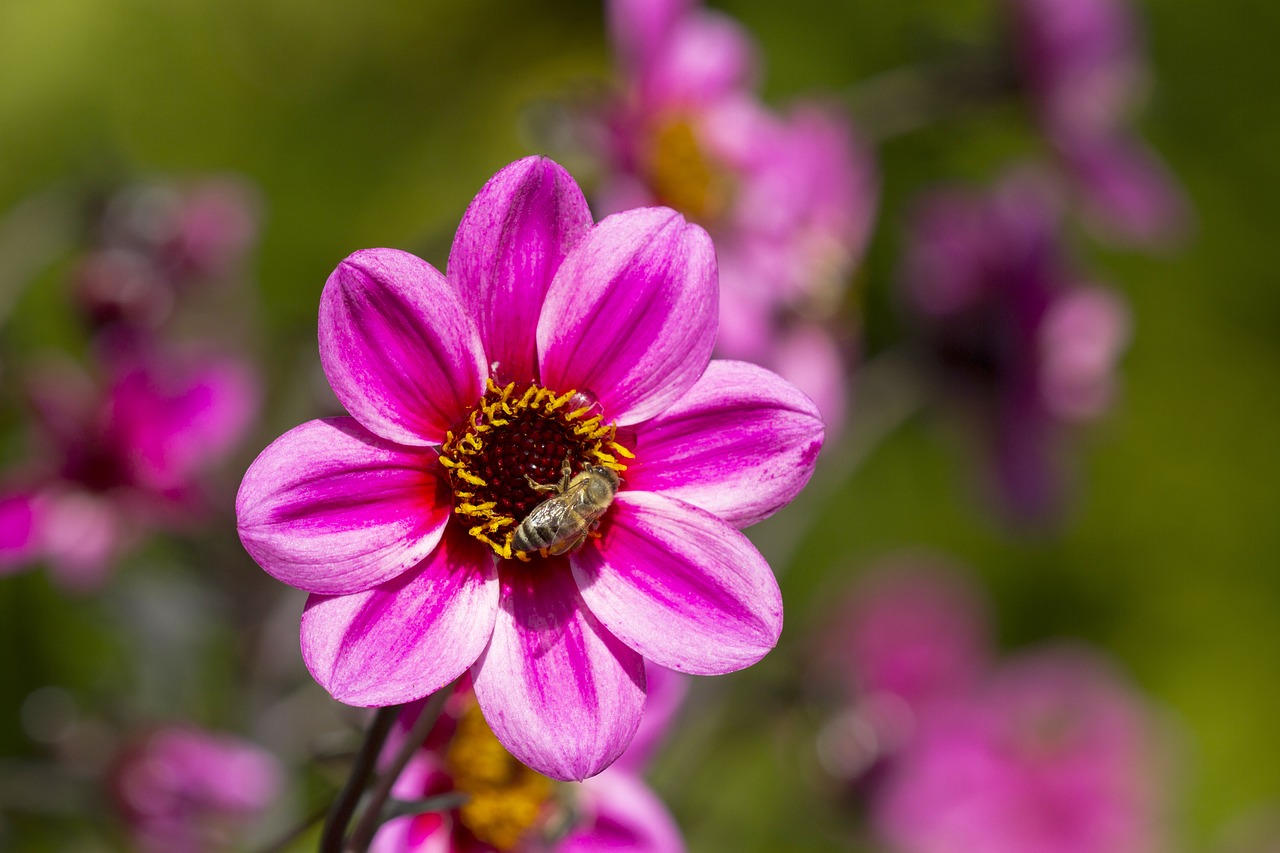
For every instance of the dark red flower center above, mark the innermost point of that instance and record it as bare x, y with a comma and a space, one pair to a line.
515, 437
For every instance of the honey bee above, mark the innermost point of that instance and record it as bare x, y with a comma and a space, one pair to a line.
561, 524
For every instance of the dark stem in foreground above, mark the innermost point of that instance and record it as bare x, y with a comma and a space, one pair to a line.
372, 817
335, 825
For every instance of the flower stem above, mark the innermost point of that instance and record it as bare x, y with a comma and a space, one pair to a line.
371, 819
344, 806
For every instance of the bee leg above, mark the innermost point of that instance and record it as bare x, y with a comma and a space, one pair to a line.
566, 475
540, 487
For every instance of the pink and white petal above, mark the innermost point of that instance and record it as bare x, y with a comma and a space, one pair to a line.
410, 636
624, 816
331, 508
680, 586
511, 241
665, 690
561, 693
740, 444
400, 350
631, 315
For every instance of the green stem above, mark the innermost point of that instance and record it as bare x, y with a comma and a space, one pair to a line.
372, 817
335, 825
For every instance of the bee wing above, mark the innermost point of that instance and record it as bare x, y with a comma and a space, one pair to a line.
551, 515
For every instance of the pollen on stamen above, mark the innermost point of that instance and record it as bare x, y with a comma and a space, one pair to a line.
513, 435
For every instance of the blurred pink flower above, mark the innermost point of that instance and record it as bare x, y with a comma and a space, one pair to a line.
912, 634
789, 199
1010, 330
1052, 755
153, 241
511, 807
116, 459
182, 789
1083, 65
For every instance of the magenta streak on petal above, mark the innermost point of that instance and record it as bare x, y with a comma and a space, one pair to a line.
410, 636
631, 315
680, 586
331, 508
399, 349
740, 444
507, 250
561, 693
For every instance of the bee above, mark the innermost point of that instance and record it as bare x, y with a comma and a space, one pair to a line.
561, 524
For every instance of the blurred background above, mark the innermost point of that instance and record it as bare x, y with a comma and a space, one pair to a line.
333, 127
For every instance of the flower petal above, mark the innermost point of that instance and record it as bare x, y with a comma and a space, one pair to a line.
707, 56
17, 530
640, 30
561, 693
510, 244
410, 636
399, 349
740, 444
631, 315
331, 508
680, 586
1130, 194
625, 815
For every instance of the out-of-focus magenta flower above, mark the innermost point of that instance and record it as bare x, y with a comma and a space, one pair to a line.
182, 789
914, 629
17, 530
154, 241
511, 807
552, 342
117, 458
1012, 332
1082, 63
1052, 755
789, 199
912, 635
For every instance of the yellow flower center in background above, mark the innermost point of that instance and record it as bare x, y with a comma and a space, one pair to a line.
681, 175
514, 434
507, 799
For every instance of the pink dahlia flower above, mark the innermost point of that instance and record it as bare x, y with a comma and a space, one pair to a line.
154, 241
1011, 330
182, 789
788, 198
551, 344
1052, 755
123, 456
511, 807
1084, 69
914, 634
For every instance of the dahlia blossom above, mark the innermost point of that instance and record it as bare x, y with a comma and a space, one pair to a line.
121, 456
551, 345
181, 789
510, 807
1012, 330
912, 636
1084, 69
788, 198
1053, 754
